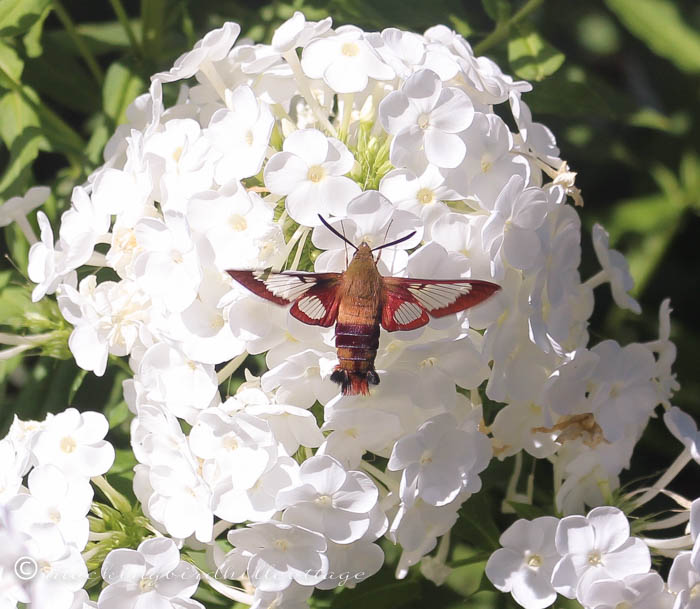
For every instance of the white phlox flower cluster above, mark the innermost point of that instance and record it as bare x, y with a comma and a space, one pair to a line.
382, 134
44, 525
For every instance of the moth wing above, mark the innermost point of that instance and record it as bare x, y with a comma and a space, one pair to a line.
314, 296
408, 301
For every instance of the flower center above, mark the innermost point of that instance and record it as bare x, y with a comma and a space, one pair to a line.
146, 584
534, 561
695, 591
323, 500
177, 153
68, 445
486, 164
238, 223
426, 457
351, 432
230, 443
45, 567
54, 516
425, 196
281, 545
594, 558
249, 138
350, 49
428, 362
316, 173
623, 605
424, 121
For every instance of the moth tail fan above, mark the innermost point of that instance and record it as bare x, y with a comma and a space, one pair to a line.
354, 383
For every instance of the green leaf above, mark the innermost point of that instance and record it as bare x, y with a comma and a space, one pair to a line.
532, 57
17, 16
32, 39
660, 25
498, 10
526, 510
476, 525
10, 66
120, 88
386, 596
77, 382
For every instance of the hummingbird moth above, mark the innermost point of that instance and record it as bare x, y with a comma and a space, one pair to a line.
358, 301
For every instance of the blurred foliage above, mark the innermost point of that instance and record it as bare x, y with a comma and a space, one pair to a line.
617, 81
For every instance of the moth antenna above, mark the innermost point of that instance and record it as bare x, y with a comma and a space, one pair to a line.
346, 244
386, 233
335, 232
395, 241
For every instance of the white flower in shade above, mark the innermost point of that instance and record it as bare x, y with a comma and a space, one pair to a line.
440, 461
621, 391
597, 546
310, 172
240, 132
237, 224
81, 228
48, 263
350, 564
153, 575
355, 431
56, 499
637, 591
107, 318
168, 268
185, 162
344, 60
371, 219
12, 470
535, 136
330, 500
684, 578
73, 442
684, 427
292, 426
14, 578
490, 162
423, 195
56, 568
298, 32
400, 50
425, 117
516, 427
616, 270
281, 554
213, 47
174, 495
524, 565
16, 208
179, 384
302, 379
511, 230
292, 597
417, 526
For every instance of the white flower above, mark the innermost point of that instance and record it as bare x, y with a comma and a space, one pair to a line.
281, 554
19, 207
330, 500
48, 264
524, 565
150, 576
240, 132
345, 60
297, 32
372, 219
616, 270
594, 547
684, 578
637, 591
425, 116
309, 171
439, 462
213, 47
73, 442
683, 426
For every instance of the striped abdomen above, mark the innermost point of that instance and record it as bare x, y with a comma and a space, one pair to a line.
357, 347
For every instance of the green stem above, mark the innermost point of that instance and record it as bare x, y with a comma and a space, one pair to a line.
124, 20
77, 39
502, 30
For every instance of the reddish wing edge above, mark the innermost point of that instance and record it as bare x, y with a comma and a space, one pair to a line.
409, 301
314, 295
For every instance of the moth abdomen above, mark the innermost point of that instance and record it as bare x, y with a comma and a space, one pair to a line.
356, 345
